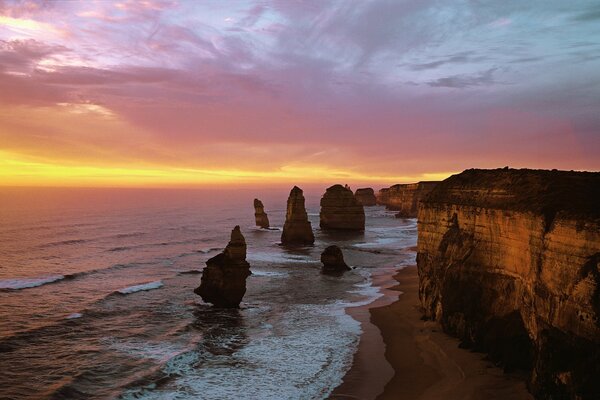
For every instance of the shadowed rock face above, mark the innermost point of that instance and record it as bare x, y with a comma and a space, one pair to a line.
405, 198
297, 230
366, 197
333, 260
223, 281
341, 211
508, 262
260, 215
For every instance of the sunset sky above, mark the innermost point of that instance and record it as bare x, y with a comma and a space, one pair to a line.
185, 93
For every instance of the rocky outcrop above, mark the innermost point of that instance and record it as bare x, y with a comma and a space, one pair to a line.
508, 261
223, 281
333, 260
260, 215
366, 197
341, 211
405, 198
297, 229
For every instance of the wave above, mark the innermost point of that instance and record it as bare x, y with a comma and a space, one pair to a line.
147, 245
206, 251
26, 283
141, 287
268, 273
63, 243
190, 272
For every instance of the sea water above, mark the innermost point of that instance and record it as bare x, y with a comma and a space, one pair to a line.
96, 296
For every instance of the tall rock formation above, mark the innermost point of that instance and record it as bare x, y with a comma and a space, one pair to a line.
366, 197
223, 281
340, 210
333, 260
508, 261
297, 229
260, 215
405, 198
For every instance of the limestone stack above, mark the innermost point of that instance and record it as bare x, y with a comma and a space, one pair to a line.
223, 281
297, 229
341, 211
405, 198
260, 215
366, 197
508, 261
333, 260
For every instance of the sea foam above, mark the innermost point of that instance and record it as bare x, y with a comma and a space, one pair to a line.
26, 283
141, 287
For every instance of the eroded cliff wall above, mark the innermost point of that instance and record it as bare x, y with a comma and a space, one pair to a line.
405, 198
508, 262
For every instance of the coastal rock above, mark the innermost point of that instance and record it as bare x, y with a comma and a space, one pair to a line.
341, 210
333, 260
405, 198
260, 215
297, 229
366, 197
223, 281
508, 261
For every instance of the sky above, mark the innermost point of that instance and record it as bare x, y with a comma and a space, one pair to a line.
192, 93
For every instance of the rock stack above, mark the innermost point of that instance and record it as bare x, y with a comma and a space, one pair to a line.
223, 280
260, 215
340, 210
297, 230
333, 260
366, 197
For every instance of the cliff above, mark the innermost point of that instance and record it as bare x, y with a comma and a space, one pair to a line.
223, 281
260, 216
508, 262
366, 197
297, 229
405, 198
340, 210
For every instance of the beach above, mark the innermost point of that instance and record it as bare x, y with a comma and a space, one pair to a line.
414, 358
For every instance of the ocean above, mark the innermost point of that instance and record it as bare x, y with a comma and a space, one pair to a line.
97, 302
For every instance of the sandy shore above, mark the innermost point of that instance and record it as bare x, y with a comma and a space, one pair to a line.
402, 357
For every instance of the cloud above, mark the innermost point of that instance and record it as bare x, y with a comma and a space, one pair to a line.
484, 78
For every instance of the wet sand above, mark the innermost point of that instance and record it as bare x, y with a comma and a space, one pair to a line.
402, 357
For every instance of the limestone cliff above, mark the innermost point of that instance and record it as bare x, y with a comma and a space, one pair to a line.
341, 211
405, 198
223, 281
508, 262
297, 229
366, 197
260, 216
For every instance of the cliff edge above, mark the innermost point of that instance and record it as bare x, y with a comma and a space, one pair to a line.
508, 262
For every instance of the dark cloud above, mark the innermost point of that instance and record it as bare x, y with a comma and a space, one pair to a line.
590, 15
484, 78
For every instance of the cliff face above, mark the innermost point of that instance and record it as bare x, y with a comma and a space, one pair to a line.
223, 281
260, 215
508, 262
366, 197
405, 198
297, 229
341, 210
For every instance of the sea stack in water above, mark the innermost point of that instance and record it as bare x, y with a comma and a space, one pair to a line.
340, 210
260, 215
333, 260
366, 196
508, 261
297, 230
223, 280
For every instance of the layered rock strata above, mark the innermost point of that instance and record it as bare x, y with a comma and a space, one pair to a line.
508, 262
366, 197
260, 216
223, 281
297, 229
340, 210
405, 198
333, 260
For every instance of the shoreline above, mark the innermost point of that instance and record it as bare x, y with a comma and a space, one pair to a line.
414, 358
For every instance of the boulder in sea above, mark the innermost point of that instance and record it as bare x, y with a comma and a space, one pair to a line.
297, 229
366, 196
333, 260
223, 281
340, 210
260, 215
